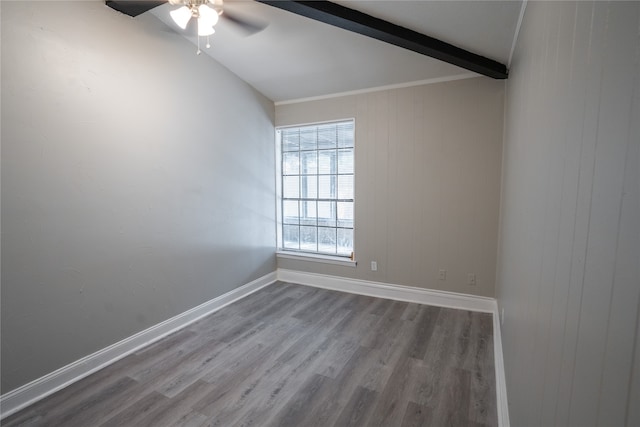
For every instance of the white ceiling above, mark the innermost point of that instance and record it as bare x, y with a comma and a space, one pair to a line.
296, 57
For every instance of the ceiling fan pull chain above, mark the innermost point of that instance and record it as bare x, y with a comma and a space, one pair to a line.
208, 43
198, 52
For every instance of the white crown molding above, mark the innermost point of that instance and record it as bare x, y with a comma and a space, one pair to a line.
40, 388
516, 33
444, 79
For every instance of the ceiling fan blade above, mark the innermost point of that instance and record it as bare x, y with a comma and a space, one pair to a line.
247, 26
133, 7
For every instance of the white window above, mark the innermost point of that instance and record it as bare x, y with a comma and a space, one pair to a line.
316, 179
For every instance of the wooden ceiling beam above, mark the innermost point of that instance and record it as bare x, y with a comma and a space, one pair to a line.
379, 29
361, 23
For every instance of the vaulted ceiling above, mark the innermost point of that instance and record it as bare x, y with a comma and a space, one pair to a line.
296, 57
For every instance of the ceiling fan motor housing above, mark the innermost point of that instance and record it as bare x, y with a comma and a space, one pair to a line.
193, 5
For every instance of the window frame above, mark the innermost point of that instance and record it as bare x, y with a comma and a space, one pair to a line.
302, 254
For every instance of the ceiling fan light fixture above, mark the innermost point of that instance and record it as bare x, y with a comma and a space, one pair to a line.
204, 29
217, 5
207, 19
208, 14
181, 16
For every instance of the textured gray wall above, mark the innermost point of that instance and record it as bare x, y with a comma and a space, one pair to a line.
427, 191
568, 277
137, 181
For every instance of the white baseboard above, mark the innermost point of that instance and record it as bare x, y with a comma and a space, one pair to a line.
50, 383
421, 296
42, 387
501, 382
389, 291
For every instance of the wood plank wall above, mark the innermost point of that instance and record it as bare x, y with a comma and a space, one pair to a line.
568, 277
427, 182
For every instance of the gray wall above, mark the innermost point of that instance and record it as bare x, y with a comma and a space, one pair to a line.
427, 185
568, 277
137, 181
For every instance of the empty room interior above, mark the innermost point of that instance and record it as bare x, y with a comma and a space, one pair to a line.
283, 213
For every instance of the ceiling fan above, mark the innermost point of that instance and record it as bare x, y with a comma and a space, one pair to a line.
339, 16
206, 14
200, 14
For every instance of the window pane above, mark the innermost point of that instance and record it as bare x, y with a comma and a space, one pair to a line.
327, 187
309, 187
345, 214
290, 236
290, 140
345, 186
317, 171
291, 163
309, 162
345, 161
291, 186
308, 239
345, 241
308, 214
290, 211
327, 240
308, 138
345, 135
327, 136
327, 162
327, 214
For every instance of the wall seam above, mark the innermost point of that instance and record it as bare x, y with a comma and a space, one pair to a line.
588, 227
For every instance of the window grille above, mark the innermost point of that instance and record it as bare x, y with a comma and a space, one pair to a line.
317, 167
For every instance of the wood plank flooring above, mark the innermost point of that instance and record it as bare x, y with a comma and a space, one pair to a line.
292, 355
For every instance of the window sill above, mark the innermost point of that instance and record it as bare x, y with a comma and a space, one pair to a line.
326, 259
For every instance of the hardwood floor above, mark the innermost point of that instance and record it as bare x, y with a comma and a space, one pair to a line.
292, 355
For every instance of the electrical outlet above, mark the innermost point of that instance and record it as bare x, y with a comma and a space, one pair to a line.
471, 279
442, 275
374, 266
